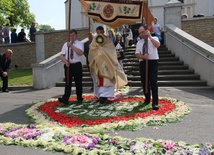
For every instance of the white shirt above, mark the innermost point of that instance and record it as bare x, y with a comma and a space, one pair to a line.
76, 57
152, 50
118, 46
157, 28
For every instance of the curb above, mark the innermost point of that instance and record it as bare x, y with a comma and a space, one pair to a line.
14, 88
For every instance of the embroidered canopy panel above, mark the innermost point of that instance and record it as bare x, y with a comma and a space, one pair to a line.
116, 12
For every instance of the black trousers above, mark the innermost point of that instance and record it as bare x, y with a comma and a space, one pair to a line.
75, 72
4, 82
152, 80
87, 62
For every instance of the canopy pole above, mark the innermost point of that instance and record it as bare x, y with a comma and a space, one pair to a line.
69, 29
147, 63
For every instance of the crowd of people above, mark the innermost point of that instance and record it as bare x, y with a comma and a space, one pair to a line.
104, 55
7, 36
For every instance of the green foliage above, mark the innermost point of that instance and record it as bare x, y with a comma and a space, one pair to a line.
45, 28
16, 13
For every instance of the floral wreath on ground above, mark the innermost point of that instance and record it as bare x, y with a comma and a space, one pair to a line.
57, 127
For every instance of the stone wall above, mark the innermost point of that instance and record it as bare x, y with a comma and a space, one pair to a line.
55, 40
25, 53
202, 28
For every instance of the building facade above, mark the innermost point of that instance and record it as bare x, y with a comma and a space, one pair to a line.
190, 7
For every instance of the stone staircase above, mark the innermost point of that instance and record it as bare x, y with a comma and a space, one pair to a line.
172, 71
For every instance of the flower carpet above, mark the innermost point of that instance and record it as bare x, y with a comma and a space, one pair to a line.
80, 129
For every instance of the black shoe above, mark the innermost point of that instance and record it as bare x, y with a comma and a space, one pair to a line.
155, 107
146, 103
102, 100
5, 91
62, 100
79, 101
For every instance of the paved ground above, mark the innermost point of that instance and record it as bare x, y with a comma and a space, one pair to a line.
197, 127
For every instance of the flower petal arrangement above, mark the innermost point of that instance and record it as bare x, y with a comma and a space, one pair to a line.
65, 140
125, 113
80, 128
23, 132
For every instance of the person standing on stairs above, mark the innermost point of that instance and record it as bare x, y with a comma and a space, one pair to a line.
86, 52
74, 65
152, 57
120, 48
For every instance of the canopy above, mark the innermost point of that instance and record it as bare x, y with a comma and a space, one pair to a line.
115, 13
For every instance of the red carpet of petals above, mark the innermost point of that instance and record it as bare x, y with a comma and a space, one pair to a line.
49, 109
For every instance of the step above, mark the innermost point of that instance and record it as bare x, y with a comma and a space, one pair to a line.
129, 59
161, 55
174, 67
174, 83
86, 74
165, 63
183, 83
171, 83
160, 77
166, 55
135, 66
167, 72
160, 72
161, 48
171, 72
169, 77
128, 52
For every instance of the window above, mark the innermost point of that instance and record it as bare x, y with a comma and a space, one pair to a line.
182, 1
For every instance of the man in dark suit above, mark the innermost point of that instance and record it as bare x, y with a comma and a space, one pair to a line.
86, 51
4, 68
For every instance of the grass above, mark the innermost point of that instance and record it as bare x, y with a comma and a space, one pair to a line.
20, 77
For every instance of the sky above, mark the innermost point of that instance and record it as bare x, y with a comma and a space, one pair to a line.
49, 12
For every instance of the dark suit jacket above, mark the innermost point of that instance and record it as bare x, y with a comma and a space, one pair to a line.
4, 67
86, 50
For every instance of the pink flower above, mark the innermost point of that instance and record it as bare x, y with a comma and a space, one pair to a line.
1, 128
169, 145
81, 140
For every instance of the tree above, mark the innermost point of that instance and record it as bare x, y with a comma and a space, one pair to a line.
45, 28
16, 13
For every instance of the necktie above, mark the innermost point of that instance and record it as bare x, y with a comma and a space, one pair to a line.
72, 53
144, 46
